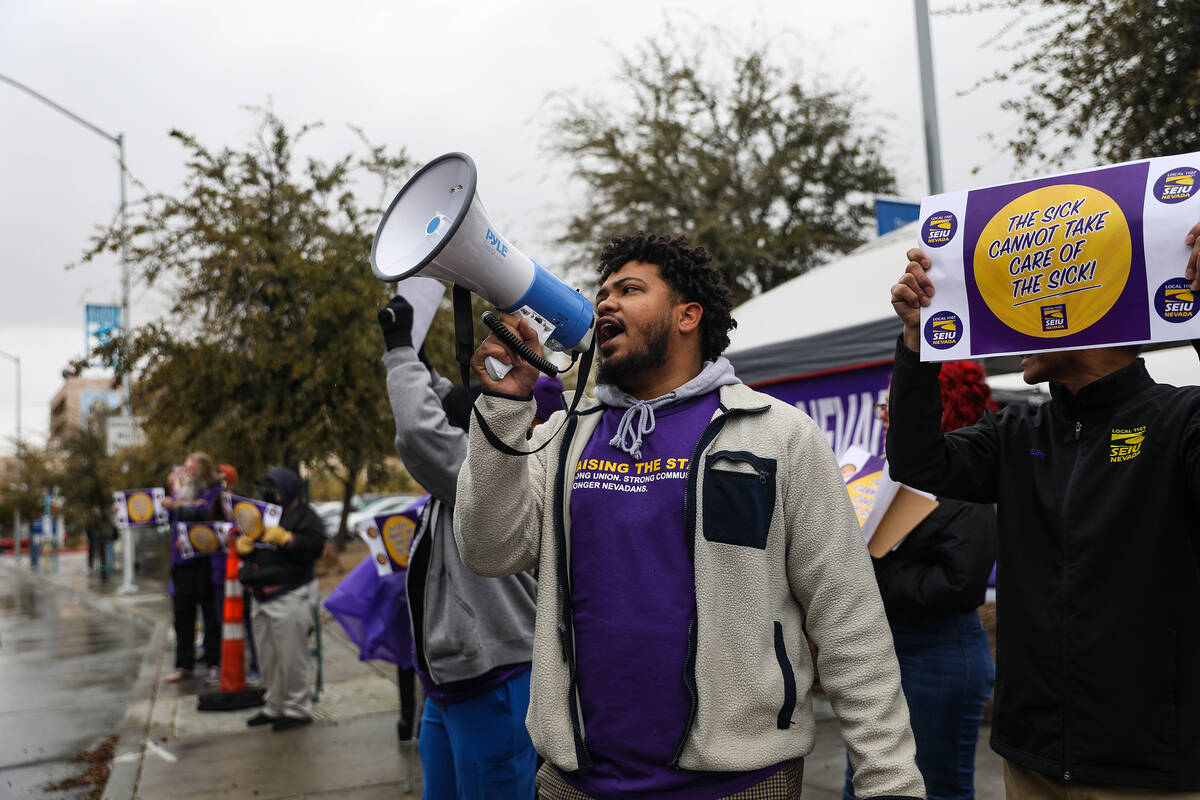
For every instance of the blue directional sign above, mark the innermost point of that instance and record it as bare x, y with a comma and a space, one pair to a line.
102, 323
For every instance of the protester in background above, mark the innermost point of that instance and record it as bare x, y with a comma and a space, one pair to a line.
198, 500
931, 586
690, 534
278, 570
1098, 644
473, 636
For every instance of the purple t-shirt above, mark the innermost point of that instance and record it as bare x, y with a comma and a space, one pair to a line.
633, 593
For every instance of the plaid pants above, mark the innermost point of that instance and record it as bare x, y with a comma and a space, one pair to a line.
783, 785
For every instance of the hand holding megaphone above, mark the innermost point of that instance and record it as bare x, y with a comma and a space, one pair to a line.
517, 376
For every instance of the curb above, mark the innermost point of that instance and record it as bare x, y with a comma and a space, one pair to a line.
135, 729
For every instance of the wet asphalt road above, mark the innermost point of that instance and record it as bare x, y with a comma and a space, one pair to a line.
66, 670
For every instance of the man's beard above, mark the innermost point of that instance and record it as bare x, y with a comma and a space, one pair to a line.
652, 354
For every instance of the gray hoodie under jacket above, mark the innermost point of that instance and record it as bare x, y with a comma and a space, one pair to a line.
463, 625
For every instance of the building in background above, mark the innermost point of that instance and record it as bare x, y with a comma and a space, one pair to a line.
77, 399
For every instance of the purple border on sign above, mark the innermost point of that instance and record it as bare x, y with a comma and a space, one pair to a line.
1126, 321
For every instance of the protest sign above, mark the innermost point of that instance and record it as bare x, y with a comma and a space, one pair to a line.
201, 538
424, 295
389, 537
886, 510
1086, 259
136, 508
252, 517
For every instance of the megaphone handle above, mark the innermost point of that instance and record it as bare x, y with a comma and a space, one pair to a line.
509, 338
496, 368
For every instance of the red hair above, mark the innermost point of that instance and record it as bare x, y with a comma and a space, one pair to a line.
965, 394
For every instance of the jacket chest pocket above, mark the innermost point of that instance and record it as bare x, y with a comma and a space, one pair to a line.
739, 498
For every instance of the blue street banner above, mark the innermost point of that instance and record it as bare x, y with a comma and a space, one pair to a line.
1084, 259
101, 324
138, 508
893, 214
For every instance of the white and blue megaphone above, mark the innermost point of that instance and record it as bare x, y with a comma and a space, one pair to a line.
436, 227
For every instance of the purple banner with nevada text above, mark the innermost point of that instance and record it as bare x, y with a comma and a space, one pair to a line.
841, 403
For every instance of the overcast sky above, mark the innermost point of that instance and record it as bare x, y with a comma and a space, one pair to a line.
434, 77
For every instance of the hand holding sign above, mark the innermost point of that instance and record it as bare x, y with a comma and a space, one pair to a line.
911, 292
1192, 240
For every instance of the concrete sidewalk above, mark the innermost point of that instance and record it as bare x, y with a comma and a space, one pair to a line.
169, 749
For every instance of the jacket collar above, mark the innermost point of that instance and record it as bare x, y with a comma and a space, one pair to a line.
1104, 393
734, 396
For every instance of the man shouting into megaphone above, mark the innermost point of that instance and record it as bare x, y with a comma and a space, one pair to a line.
691, 535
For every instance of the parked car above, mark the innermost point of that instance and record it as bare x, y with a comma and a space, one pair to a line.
330, 512
384, 505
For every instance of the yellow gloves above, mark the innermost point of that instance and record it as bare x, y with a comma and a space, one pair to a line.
277, 536
244, 546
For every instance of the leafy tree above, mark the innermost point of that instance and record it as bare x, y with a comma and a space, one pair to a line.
1119, 76
268, 352
772, 176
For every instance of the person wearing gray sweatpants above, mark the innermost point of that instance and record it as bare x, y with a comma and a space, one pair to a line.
278, 569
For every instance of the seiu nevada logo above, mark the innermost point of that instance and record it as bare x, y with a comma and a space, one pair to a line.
939, 228
495, 243
943, 330
1126, 443
1176, 185
1054, 317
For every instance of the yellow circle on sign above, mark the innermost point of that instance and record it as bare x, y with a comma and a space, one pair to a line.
862, 494
248, 519
1062, 273
397, 537
141, 507
203, 538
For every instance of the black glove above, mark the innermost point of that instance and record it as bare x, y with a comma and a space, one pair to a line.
396, 321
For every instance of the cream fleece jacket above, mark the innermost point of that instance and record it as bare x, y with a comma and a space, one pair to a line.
803, 569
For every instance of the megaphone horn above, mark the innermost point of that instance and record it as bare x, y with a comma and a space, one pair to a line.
437, 227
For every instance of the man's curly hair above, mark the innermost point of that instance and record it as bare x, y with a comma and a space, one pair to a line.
689, 272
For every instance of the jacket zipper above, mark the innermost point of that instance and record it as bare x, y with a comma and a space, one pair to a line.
1066, 673
566, 622
761, 473
689, 526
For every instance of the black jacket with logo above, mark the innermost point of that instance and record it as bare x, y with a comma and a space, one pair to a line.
1098, 662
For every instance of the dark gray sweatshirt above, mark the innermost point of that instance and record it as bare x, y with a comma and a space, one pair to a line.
468, 625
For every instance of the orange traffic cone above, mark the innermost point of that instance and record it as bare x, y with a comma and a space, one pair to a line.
233, 665
233, 693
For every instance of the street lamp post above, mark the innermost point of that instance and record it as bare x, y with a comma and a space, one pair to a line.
16, 510
119, 141
933, 145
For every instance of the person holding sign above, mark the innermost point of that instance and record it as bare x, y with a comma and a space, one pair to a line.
277, 567
473, 636
931, 584
197, 500
1098, 648
691, 536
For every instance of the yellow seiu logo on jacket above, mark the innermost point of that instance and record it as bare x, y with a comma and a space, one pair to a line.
1126, 443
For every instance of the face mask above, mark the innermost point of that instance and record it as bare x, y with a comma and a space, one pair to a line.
271, 495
